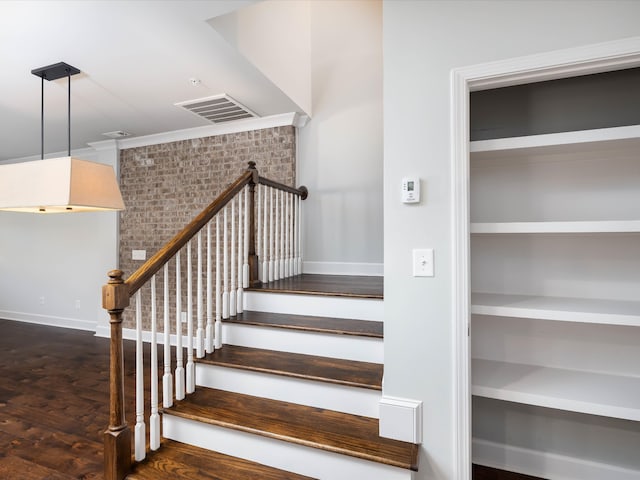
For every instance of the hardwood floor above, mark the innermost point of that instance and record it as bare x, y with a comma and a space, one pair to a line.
53, 403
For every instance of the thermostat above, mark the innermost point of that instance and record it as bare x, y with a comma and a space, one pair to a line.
410, 190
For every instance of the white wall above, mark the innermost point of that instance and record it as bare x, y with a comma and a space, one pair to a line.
340, 149
61, 259
423, 41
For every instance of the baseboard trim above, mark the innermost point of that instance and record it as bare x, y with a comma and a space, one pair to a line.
344, 268
62, 322
545, 464
401, 419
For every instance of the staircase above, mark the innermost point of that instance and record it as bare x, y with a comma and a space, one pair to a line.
292, 394
279, 374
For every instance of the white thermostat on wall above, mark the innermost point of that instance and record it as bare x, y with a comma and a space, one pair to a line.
410, 190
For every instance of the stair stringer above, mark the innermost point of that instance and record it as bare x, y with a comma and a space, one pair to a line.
347, 347
342, 398
297, 458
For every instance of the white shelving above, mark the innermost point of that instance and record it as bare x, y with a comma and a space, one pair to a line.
585, 310
571, 390
604, 226
554, 143
555, 227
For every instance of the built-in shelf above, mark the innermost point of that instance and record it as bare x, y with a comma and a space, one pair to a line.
571, 390
554, 143
606, 226
584, 310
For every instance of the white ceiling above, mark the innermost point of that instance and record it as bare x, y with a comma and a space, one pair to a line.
136, 58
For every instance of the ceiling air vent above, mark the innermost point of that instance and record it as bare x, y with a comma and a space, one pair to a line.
217, 109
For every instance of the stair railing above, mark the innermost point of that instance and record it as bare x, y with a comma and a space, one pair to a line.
240, 257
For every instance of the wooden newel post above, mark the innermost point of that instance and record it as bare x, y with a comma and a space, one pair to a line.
254, 278
117, 437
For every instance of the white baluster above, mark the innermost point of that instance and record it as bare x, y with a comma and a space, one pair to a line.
265, 238
258, 239
276, 237
299, 241
232, 259
154, 419
287, 246
199, 293
180, 386
292, 270
225, 268
282, 233
167, 378
245, 256
240, 253
218, 329
191, 367
140, 429
271, 238
209, 329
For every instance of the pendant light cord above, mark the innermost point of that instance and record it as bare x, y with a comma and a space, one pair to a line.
68, 113
42, 118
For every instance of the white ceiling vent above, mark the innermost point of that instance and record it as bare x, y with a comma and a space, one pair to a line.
217, 109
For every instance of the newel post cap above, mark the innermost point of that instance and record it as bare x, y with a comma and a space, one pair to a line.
115, 294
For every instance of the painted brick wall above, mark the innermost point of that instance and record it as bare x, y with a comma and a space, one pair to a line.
165, 186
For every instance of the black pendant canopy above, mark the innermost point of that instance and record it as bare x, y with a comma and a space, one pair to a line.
55, 71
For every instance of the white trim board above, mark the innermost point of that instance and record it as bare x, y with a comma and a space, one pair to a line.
545, 464
344, 268
285, 119
401, 419
62, 322
583, 60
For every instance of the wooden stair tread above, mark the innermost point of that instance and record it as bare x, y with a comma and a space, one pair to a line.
327, 285
178, 461
338, 326
309, 367
314, 427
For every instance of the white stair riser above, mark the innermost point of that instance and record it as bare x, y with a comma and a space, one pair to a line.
342, 398
348, 347
316, 305
300, 459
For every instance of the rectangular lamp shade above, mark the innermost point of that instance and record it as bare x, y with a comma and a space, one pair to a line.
58, 185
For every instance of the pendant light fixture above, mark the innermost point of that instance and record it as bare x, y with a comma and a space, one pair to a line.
56, 185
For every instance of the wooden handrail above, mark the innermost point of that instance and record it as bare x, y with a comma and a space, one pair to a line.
302, 191
155, 263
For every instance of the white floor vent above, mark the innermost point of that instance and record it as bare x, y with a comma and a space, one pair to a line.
217, 109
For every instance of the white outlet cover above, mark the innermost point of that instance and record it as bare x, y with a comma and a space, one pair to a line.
138, 254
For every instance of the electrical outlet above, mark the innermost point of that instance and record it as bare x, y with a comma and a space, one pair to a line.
183, 317
138, 254
41, 300
77, 304
423, 262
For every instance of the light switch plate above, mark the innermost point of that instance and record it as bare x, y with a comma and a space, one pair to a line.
423, 262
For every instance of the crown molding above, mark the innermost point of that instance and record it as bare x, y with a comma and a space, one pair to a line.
281, 120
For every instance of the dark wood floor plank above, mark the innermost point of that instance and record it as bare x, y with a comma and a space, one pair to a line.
487, 473
16, 468
336, 326
328, 430
308, 367
330, 285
